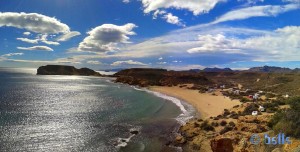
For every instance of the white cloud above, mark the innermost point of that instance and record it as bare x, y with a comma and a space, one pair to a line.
195, 6
175, 61
158, 12
26, 33
93, 62
251, 1
256, 11
50, 42
281, 44
126, 1
33, 41
293, 1
68, 36
161, 62
170, 18
106, 37
161, 58
40, 38
38, 48
215, 43
43, 38
129, 62
11, 54
33, 22
242, 44
178, 42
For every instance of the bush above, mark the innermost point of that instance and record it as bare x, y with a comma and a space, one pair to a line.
232, 124
270, 95
271, 105
225, 129
271, 110
226, 112
244, 100
287, 121
215, 124
248, 110
234, 116
223, 123
236, 106
216, 118
205, 126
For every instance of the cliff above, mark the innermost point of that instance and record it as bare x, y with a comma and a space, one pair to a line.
65, 70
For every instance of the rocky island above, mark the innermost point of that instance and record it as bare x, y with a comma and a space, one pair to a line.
65, 70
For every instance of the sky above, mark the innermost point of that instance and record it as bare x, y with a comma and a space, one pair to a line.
171, 34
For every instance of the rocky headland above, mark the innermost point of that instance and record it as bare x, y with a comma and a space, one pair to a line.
270, 92
65, 70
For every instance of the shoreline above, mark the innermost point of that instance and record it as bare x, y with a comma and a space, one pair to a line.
207, 105
188, 111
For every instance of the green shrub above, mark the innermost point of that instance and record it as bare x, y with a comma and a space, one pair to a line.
287, 121
225, 129
248, 110
215, 124
232, 124
244, 100
207, 127
270, 95
226, 112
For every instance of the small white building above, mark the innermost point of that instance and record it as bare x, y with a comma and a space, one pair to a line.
261, 108
256, 96
254, 113
236, 92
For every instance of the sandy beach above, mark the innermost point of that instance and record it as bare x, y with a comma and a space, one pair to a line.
206, 104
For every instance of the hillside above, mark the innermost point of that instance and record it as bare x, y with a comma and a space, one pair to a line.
276, 82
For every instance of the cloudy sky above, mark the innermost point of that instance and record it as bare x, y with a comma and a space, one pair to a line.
173, 34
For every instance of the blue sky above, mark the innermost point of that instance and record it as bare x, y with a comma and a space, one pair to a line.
177, 34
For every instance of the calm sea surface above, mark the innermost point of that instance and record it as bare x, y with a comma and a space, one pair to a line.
74, 113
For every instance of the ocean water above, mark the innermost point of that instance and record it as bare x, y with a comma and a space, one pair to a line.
76, 113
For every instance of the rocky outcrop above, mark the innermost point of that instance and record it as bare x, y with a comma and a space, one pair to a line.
222, 145
65, 70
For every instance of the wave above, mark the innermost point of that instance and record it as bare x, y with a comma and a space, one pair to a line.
186, 109
123, 142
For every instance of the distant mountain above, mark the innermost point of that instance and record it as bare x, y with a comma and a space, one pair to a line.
272, 69
112, 70
296, 70
195, 70
217, 70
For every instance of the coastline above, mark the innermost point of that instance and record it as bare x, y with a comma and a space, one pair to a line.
207, 105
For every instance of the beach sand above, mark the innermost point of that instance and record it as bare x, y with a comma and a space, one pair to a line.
207, 105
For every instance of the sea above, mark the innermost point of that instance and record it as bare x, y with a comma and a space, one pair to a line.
40, 113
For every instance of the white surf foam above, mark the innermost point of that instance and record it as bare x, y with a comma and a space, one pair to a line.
183, 106
122, 142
